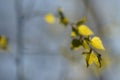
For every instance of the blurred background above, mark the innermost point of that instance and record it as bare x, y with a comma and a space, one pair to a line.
40, 51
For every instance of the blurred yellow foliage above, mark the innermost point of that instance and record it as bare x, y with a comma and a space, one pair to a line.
73, 34
49, 18
3, 42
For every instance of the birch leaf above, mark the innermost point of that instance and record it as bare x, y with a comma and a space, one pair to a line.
85, 45
97, 43
94, 59
84, 30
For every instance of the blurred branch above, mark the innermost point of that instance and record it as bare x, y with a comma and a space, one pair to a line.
19, 55
21, 18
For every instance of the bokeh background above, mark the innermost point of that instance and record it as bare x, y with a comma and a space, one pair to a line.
40, 51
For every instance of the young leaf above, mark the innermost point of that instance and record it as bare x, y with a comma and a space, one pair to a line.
74, 32
49, 18
64, 20
85, 45
81, 21
84, 30
94, 59
97, 43
75, 43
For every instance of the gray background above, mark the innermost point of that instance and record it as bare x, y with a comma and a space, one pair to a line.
36, 47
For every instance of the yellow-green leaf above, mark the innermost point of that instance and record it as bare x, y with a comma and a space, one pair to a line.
49, 18
91, 58
81, 21
97, 43
94, 59
85, 45
84, 30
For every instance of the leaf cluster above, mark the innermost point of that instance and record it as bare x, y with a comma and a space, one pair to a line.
82, 36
